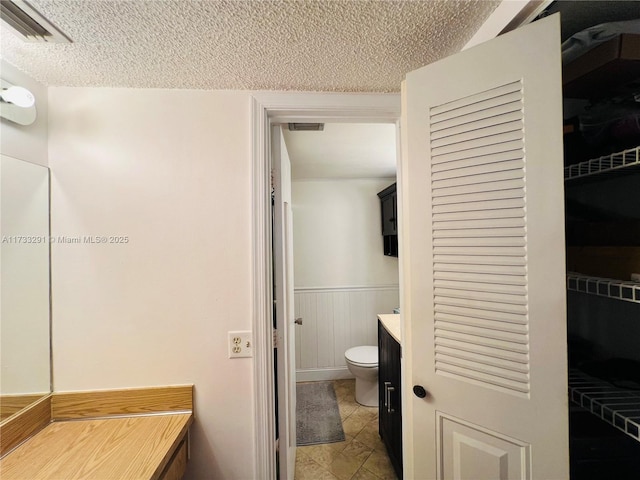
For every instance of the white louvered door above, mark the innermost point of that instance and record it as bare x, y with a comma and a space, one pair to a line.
483, 262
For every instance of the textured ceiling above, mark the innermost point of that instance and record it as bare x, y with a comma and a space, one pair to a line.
317, 45
343, 150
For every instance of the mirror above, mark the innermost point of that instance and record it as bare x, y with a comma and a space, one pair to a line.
25, 353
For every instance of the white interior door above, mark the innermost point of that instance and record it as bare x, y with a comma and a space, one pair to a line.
483, 262
283, 278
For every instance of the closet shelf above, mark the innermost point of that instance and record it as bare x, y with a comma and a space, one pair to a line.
606, 70
616, 406
604, 287
614, 162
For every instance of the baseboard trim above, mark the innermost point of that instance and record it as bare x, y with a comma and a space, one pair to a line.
24, 424
320, 374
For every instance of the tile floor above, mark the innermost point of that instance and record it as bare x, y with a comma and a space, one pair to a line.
362, 456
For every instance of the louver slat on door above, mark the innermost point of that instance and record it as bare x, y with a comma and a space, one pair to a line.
479, 239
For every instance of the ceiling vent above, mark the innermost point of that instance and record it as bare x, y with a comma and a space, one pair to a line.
306, 127
28, 24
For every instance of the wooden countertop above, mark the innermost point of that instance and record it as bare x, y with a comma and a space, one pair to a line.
391, 322
137, 447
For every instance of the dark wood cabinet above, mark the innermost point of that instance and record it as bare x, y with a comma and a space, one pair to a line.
389, 217
388, 208
390, 405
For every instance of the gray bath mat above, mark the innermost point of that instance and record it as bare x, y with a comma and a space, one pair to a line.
317, 415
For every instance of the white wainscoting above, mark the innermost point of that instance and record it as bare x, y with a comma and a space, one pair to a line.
334, 320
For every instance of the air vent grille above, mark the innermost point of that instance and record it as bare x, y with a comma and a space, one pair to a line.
30, 25
306, 127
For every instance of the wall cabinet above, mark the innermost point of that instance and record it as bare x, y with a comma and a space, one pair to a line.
388, 209
389, 217
390, 414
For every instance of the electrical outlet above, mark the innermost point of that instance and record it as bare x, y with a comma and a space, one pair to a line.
240, 344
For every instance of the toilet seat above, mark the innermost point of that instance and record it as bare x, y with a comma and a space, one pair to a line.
365, 356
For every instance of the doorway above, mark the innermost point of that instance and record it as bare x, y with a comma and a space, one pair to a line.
284, 108
343, 279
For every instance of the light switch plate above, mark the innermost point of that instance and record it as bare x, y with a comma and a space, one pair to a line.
240, 344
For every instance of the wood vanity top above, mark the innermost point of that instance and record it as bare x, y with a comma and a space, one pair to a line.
136, 447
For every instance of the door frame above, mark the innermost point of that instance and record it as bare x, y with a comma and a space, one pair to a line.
268, 108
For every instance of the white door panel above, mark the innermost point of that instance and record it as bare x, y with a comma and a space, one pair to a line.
283, 286
471, 452
483, 260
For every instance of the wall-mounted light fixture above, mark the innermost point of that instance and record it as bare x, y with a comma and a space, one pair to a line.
17, 104
19, 96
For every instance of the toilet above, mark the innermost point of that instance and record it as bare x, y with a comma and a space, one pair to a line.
362, 362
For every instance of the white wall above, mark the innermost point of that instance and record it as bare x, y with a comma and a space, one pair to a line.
171, 171
337, 236
25, 142
342, 278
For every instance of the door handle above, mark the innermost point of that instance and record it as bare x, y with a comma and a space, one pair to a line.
419, 391
298, 321
386, 394
388, 389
